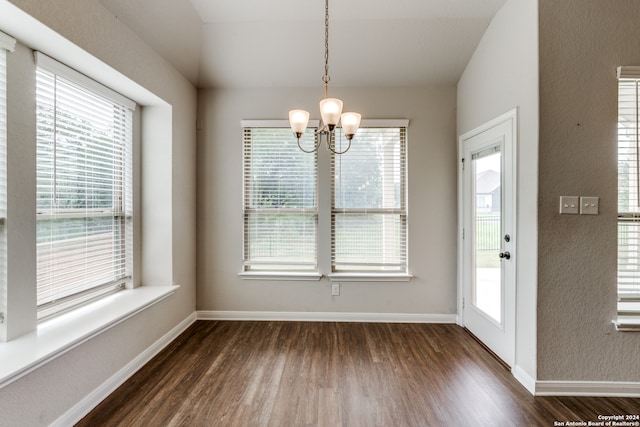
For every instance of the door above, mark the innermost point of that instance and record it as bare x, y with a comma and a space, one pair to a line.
488, 240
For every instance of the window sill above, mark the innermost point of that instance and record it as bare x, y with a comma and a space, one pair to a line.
279, 275
370, 277
55, 337
627, 326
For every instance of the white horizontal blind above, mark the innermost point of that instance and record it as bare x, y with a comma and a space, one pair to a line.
628, 204
369, 211
280, 201
84, 193
3, 180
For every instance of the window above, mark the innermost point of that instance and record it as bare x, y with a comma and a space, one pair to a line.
280, 201
6, 43
364, 230
368, 213
84, 188
628, 199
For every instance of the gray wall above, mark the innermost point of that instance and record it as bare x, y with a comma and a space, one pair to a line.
42, 396
502, 75
581, 44
432, 203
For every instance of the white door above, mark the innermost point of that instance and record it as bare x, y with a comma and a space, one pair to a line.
488, 240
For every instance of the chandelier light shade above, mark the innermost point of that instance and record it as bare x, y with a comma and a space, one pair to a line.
299, 119
350, 123
330, 109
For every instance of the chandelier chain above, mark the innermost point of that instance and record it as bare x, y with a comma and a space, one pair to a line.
326, 78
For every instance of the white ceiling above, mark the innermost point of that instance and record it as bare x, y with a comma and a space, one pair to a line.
280, 43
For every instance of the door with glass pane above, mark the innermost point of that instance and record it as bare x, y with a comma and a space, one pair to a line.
488, 235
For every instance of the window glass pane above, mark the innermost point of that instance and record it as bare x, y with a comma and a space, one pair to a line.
369, 241
369, 229
370, 174
281, 239
280, 201
627, 148
628, 206
84, 145
281, 175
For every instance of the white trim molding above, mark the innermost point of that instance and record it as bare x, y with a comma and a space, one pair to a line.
327, 317
84, 406
524, 378
7, 42
588, 388
63, 333
371, 277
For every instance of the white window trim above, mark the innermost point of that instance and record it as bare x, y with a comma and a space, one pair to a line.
370, 277
62, 70
280, 275
7, 42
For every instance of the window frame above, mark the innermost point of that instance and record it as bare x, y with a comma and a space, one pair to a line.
628, 151
7, 44
120, 212
325, 203
286, 271
400, 267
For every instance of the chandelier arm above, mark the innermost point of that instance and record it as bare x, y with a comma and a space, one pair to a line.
317, 145
329, 146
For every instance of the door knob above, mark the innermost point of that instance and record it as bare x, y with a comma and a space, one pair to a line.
505, 255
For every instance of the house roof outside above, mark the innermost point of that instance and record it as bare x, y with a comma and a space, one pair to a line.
487, 182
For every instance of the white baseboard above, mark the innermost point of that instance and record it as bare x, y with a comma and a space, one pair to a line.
327, 317
84, 406
524, 378
588, 388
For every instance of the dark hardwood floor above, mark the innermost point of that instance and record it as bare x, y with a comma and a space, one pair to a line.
334, 374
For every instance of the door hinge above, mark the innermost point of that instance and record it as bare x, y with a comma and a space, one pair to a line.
463, 163
463, 303
463, 234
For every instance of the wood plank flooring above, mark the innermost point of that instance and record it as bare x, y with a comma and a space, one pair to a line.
223, 373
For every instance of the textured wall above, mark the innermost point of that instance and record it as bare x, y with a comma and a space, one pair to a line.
432, 203
581, 44
502, 75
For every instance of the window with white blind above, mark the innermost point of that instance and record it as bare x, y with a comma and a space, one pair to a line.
628, 199
6, 43
290, 229
84, 188
280, 201
369, 208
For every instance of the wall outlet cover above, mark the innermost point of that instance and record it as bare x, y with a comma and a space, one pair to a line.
569, 205
589, 205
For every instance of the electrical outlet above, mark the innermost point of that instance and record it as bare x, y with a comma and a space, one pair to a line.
335, 289
589, 205
569, 205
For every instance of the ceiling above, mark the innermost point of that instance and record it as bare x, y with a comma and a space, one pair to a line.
280, 43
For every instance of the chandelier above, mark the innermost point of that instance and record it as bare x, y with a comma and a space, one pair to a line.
330, 109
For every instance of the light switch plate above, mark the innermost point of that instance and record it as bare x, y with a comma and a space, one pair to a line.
589, 205
569, 205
